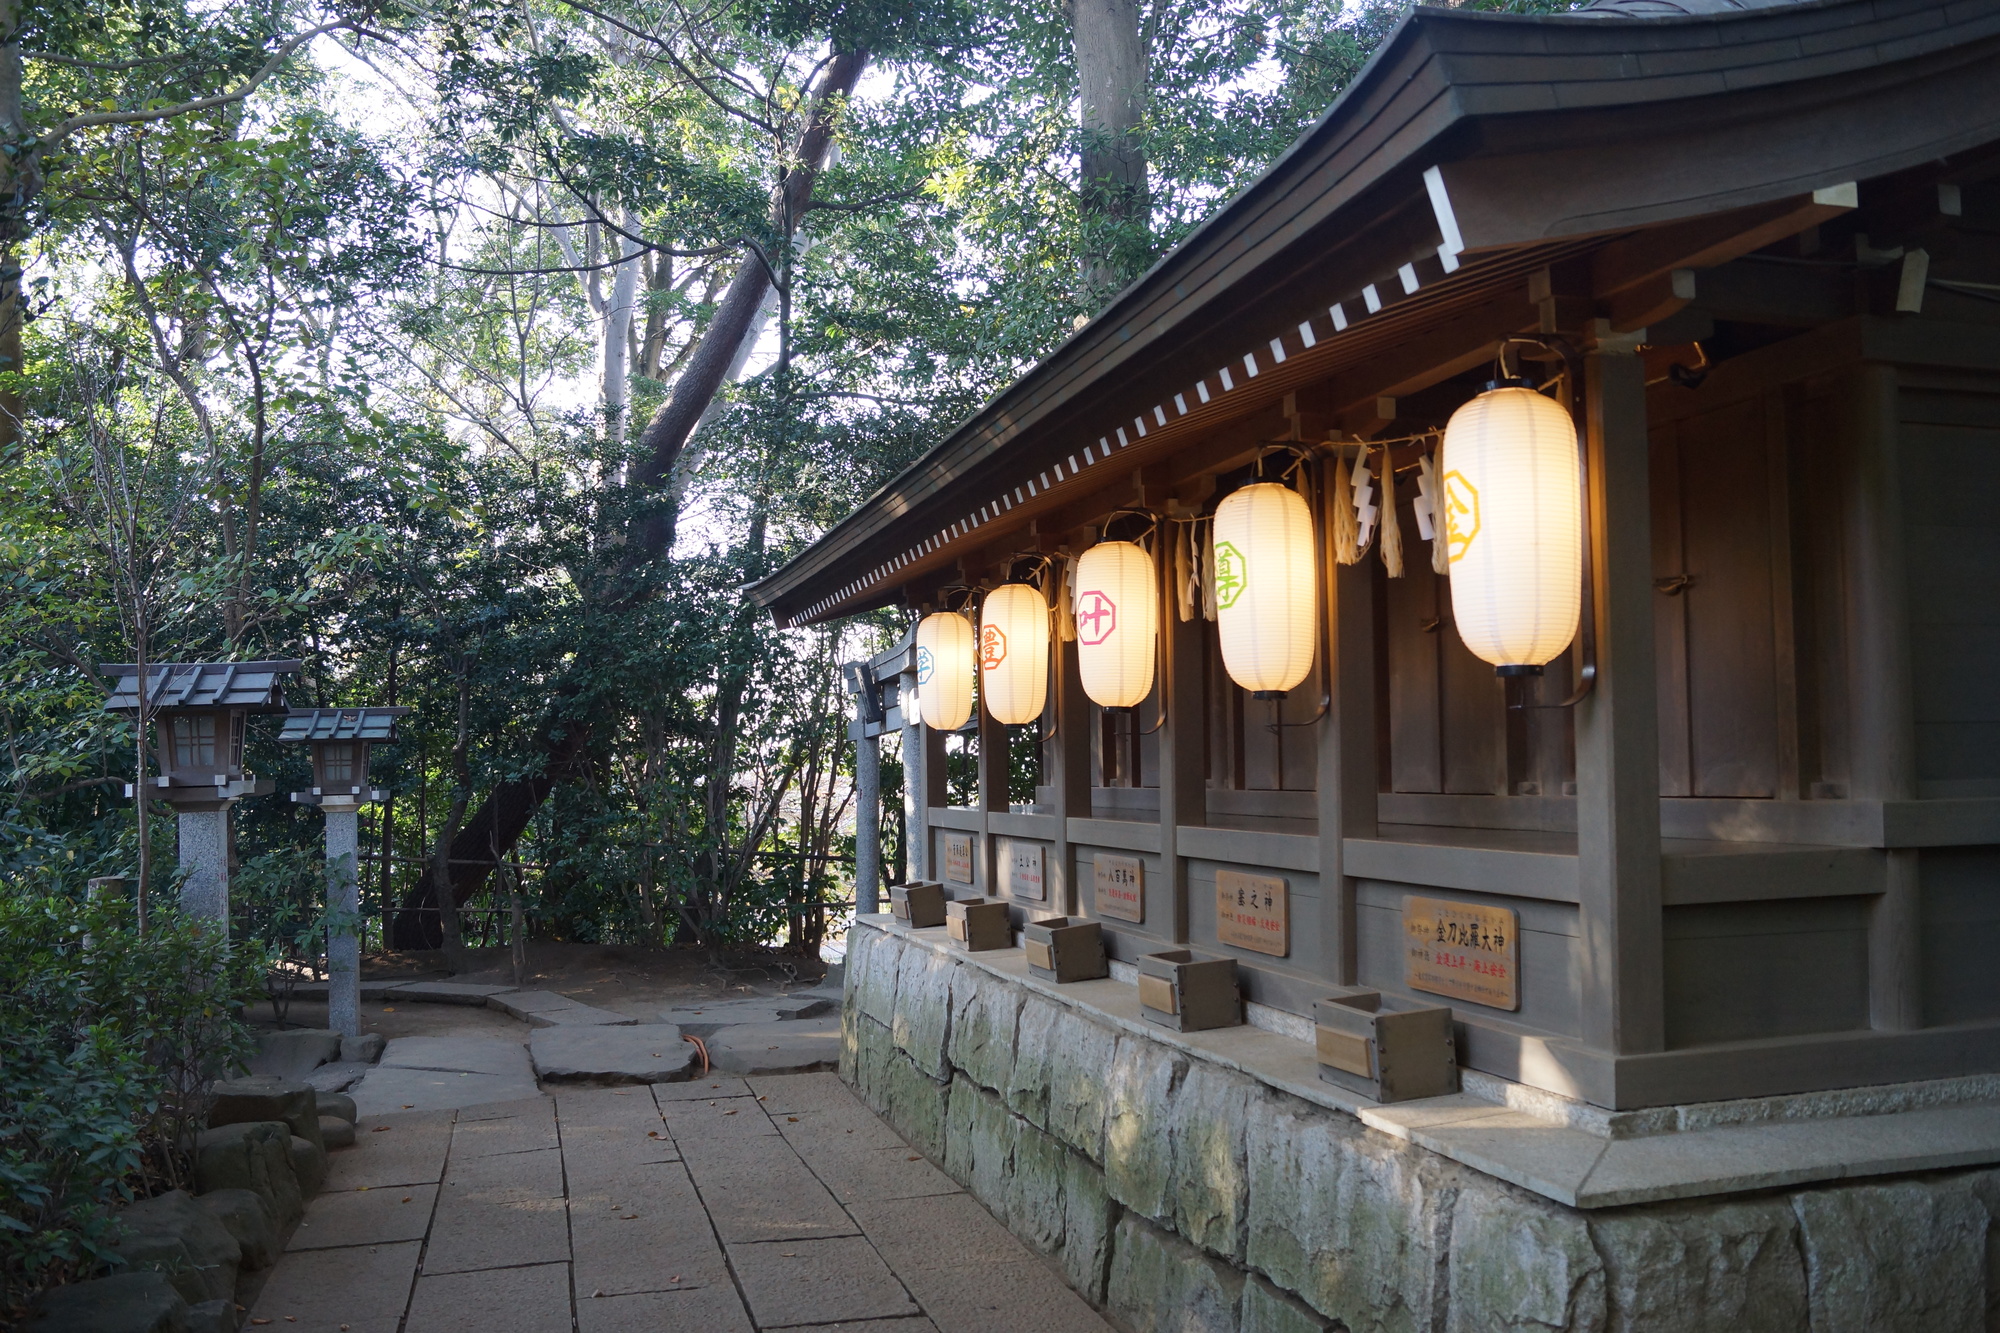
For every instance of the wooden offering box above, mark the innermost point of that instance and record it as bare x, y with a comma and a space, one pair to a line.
1386, 1048
978, 924
920, 904
1060, 950
1179, 992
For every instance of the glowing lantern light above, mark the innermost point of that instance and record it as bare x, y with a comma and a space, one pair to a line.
944, 670
1513, 519
1266, 602
1014, 653
1117, 620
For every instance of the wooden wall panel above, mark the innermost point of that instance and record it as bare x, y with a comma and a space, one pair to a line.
1961, 934
1474, 708
1551, 959
1737, 971
1815, 421
1415, 624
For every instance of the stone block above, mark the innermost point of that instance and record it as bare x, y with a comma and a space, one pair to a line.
1348, 1220
1692, 1268
1909, 1254
1209, 1185
979, 1142
173, 1235
256, 1156
246, 1101
638, 1053
1985, 1186
1138, 1153
1269, 1310
308, 1163
364, 1049
1080, 1051
1037, 1180
246, 1217
335, 1132
875, 962
216, 1316
338, 1104
336, 1078
1161, 1284
984, 1011
923, 1009
121, 1303
445, 992
914, 1103
295, 1053
1521, 1263
1089, 1221
546, 1009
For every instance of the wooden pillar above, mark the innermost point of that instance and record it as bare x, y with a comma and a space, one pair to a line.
1347, 779
1183, 775
1617, 724
995, 768
1067, 763
1884, 724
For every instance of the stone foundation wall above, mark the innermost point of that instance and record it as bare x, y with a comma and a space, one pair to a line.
1178, 1195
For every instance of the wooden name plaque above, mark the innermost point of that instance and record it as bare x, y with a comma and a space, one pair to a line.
1121, 887
1464, 950
1253, 912
958, 857
1025, 878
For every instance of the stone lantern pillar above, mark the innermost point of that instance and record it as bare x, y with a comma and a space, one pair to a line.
199, 712
340, 739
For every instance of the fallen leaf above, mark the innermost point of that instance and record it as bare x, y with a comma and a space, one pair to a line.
913, 1157
388, 1011
260, 1321
791, 1254
406, 1198
652, 1133
595, 1294
379, 1129
766, 1097
409, 1105
291, 1319
675, 1278
792, 1119
729, 1113
628, 1217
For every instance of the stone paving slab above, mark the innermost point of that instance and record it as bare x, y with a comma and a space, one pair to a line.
365, 1217
789, 1283
703, 1019
435, 1073
715, 1309
797, 1045
445, 992
914, 1324
1023, 1294
718, 1119
516, 1300
505, 1177
504, 1135
700, 1089
946, 1231
796, 1094
636, 1053
647, 1232
398, 1148
874, 1175
477, 1230
366, 1287
338, 1076
758, 1189
545, 1008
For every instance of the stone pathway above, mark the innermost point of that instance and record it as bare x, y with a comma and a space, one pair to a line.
723, 1205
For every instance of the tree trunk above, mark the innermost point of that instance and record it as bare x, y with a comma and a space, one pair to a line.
617, 386
667, 433
1111, 70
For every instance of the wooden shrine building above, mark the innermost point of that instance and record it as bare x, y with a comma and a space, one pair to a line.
1755, 252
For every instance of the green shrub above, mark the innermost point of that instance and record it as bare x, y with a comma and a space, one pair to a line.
108, 1044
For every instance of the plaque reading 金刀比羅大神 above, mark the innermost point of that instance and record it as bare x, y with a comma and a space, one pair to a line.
1253, 912
1465, 950
958, 857
1121, 887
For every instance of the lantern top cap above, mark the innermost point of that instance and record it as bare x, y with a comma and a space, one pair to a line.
255, 686
341, 724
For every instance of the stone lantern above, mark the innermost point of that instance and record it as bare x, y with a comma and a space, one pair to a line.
340, 739
200, 711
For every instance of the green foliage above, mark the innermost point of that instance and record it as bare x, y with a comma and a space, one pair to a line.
108, 1042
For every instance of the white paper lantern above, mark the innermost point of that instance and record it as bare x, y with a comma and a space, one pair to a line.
1513, 516
1266, 598
1117, 622
944, 670
1014, 653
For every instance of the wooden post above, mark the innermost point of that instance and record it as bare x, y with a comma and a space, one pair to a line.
1885, 731
995, 769
1617, 724
1068, 766
1347, 780
1183, 776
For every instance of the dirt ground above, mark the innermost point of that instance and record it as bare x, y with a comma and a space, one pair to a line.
627, 979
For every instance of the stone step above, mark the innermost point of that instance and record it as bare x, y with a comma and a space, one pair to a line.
795, 1046
702, 1019
639, 1053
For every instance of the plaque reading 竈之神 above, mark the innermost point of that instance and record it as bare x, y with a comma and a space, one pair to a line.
1024, 875
1121, 887
958, 857
1464, 950
1252, 912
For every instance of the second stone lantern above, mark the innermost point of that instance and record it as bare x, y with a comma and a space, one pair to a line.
340, 740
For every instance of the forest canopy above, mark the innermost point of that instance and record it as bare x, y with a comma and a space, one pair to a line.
478, 355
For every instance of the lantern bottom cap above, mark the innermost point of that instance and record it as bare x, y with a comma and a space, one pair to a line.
1269, 694
1518, 669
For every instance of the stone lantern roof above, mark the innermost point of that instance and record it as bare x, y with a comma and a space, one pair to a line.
254, 686
341, 724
